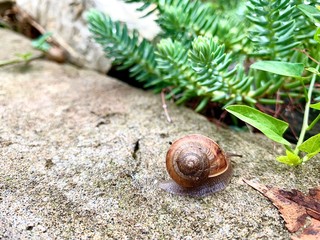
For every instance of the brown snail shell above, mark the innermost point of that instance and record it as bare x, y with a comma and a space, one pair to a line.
197, 165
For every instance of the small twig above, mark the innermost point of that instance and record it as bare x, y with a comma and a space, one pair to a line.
277, 107
307, 54
165, 108
234, 155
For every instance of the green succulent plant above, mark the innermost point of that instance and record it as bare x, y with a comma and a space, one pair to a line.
230, 52
204, 51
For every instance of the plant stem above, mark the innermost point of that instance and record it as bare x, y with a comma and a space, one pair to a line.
313, 123
19, 60
306, 113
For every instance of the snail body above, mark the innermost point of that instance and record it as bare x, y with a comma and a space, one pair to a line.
197, 166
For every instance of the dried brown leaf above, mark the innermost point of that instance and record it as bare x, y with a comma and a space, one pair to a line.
294, 207
293, 214
315, 193
312, 232
310, 202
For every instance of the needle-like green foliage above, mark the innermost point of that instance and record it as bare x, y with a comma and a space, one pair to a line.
127, 49
274, 32
205, 49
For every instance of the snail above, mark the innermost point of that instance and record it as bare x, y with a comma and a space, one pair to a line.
197, 166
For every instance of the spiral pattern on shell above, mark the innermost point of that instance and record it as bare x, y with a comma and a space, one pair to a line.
197, 165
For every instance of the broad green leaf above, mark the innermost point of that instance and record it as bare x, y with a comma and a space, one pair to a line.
311, 146
291, 159
281, 68
271, 127
311, 12
315, 106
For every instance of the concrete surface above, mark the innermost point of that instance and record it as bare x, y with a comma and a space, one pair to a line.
82, 155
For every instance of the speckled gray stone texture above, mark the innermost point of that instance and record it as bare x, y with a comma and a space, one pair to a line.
82, 155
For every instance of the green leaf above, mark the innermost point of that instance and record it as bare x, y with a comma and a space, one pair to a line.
313, 70
317, 35
273, 128
311, 12
41, 42
281, 68
291, 159
311, 146
202, 104
315, 106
